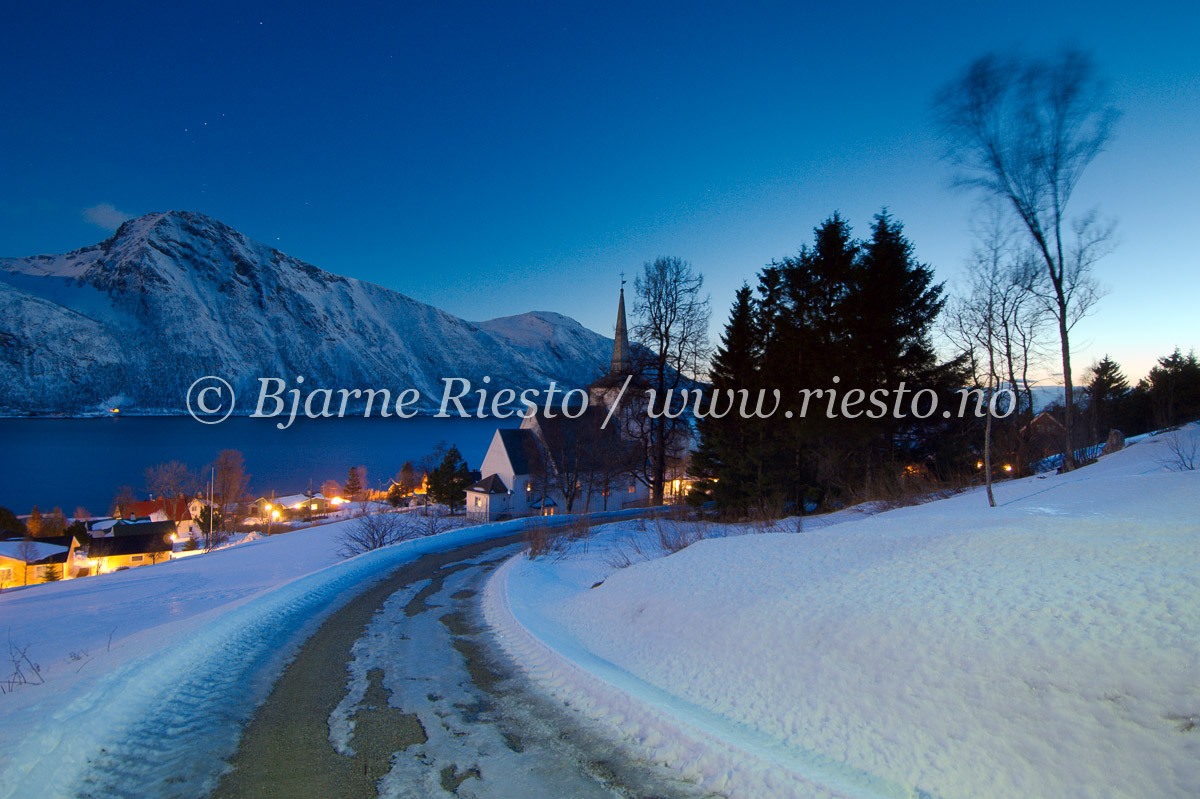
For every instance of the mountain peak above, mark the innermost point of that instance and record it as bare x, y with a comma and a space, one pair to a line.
175, 295
171, 225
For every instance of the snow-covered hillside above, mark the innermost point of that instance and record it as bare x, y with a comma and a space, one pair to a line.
1044, 648
175, 296
146, 676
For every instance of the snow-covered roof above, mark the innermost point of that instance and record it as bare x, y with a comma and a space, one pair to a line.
175, 508
294, 500
29, 551
492, 484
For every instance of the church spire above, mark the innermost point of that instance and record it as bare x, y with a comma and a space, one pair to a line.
621, 362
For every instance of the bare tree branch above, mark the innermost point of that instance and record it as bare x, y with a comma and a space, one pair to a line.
1024, 131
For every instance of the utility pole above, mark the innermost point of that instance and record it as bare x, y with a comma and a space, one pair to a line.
208, 541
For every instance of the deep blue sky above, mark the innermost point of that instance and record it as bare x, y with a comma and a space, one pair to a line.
494, 159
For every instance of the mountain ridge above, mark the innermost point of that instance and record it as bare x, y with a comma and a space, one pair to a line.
133, 320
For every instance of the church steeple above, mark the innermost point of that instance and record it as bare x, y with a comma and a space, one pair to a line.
621, 362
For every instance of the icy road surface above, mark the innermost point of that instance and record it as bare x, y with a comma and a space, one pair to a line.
400, 695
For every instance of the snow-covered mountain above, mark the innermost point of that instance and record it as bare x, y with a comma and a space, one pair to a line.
134, 320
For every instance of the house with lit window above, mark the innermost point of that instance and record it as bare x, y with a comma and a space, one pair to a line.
293, 506
507, 491
29, 561
489, 499
126, 551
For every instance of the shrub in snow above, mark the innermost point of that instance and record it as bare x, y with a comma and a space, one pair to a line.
544, 535
1182, 452
374, 528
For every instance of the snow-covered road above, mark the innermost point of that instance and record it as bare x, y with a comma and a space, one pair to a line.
157, 708
400, 692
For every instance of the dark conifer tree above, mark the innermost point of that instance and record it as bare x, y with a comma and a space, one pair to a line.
34, 524
816, 347
1106, 388
892, 307
727, 459
819, 284
448, 482
353, 483
839, 316
1174, 388
407, 479
10, 523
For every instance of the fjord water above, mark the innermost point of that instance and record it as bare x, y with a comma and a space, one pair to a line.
83, 462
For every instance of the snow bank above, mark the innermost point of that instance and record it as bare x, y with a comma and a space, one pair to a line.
1043, 648
195, 645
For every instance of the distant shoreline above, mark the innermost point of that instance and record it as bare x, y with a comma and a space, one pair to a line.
420, 414
1044, 395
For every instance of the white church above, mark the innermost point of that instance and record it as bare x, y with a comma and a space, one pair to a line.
520, 475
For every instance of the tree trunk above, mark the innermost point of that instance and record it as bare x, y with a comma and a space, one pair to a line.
987, 457
1069, 389
658, 455
987, 425
658, 463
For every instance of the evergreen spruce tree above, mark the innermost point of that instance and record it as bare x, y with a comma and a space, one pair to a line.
407, 478
9, 523
448, 482
209, 514
814, 351
1106, 388
841, 316
892, 306
777, 462
54, 523
1174, 388
726, 460
353, 485
78, 530
34, 524
894, 303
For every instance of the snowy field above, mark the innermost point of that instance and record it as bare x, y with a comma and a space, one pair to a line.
149, 673
1049, 647
112, 645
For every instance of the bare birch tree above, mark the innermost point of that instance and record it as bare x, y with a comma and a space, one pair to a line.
671, 325
229, 482
996, 324
1024, 131
170, 479
974, 321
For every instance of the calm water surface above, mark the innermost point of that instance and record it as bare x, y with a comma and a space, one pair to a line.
82, 462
